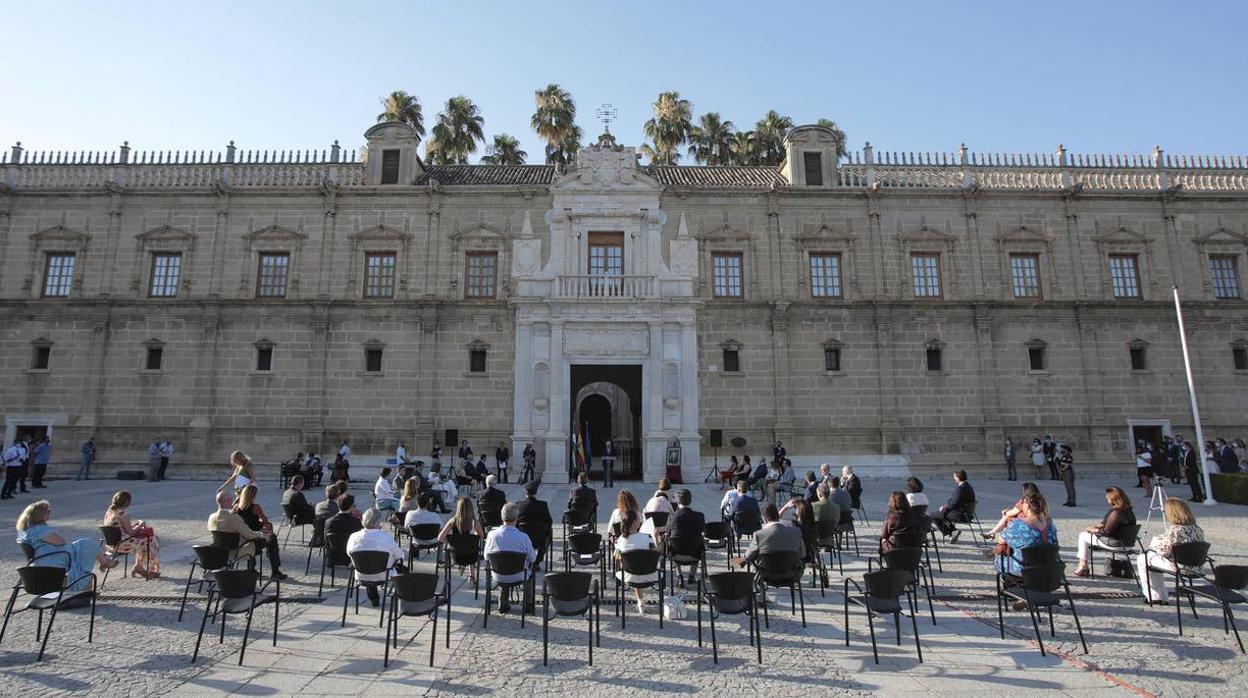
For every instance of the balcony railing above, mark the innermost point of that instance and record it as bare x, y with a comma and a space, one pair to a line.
604, 286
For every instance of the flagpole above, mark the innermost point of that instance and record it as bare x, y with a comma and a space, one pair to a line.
1191, 393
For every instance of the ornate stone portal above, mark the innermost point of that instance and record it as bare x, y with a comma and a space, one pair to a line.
636, 312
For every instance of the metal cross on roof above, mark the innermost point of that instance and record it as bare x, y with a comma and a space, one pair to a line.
606, 113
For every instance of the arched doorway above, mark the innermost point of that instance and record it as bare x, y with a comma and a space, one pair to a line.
606, 400
595, 412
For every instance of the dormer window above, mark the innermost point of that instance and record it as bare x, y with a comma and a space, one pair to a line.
813, 163
390, 166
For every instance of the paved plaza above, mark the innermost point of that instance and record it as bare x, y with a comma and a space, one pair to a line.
141, 649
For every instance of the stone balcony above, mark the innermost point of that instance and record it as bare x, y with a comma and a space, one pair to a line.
605, 287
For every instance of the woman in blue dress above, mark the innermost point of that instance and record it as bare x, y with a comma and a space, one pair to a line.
1032, 527
80, 555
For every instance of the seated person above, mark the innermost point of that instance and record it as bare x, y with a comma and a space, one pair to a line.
583, 496
838, 494
743, 471
323, 510
660, 502
824, 508
759, 474
624, 502
138, 538
900, 519
728, 505
383, 492
1119, 515
725, 476
422, 515
953, 511
347, 520
443, 488
852, 484
226, 520
294, 501
372, 538
914, 493
492, 499
249, 509
811, 489
1031, 528
482, 470
463, 523
1008, 515
746, 516
1155, 568
508, 538
774, 536
631, 538
76, 557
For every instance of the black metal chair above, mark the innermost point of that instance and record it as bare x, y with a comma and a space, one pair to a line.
970, 518
491, 518
570, 594
931, 541
1043, 575
909, 560
370, 562
41, 582
684, 551
717, 535
855, 501
209, 559
1125, 542
506, 563
1188, 561
238, 592
828, 538
781, 569
744, 525
540, 535
731, 593
463, 550
880, 594
238, 548
111, 539
846, 525
639, 563
424, 537
289, 519
1226, 588
659, 518
416, 594
917, 539
586, 550
334, 555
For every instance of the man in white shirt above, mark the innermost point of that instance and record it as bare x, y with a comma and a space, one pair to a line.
383, 492
728, 505
345, 450
422, 515
400, 454
166, 452
14, 467
372, 538
509, 539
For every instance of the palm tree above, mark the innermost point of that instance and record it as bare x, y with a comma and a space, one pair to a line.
505, 150
836, 131
555, 121
769, 135
457, 132
403, 108
744, 148
657, 157
669, 128
711, 141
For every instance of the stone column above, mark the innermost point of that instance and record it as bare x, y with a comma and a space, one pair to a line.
690, 428
426, 391
1093, 396
522, 393
782, 394
93, 392
318, 364
200, 448
989, 395
890, 427
554, 467
654, 437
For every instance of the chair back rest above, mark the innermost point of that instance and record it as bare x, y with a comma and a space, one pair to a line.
716, 531
687, 546
465, 548
583, 503
288, 511
1233, 577
1046, 577
538, 533
886, 583
615, 529
907, 559
1044, 554
42, 579
825, 530
908, 539
968, 511
228, 541
491, 518
919, 509
236, 584
336, 547
640, 562
424, 533
211, 557
730, 585
370, 561
576, 517
1128, 535
585, 543
569, 586
847, 518
658, 517
779, 565
1193, 554
414, 587
27, 550
507, 562
747, 521
112, 535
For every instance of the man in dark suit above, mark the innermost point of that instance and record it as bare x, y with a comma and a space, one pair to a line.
760, 472
687, 525
773, 537
492, 499
294, 502
851, 483
583, 496
531, 511
1191, 470
347, 519
1049, 449
745, 515
1226, 458
954, 510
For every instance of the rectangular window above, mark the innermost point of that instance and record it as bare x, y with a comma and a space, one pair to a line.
379, 275
42, 358
480, 274
1124, 275
831, 359
606, 254
1225, 277
1239, 356
1035, 357
1025, 275
1138, 362
372, 360
727, 274
825, 275
732, 361
271, 278
933, 359
166, 270
476, 360
814, 169
58, 275
264, 358
926, 270
390, 166
155, 356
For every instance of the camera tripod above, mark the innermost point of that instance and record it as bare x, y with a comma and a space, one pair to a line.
1158, 501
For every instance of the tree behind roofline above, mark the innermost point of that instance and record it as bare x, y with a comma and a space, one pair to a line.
504, 150
836, 131
769, 135
554, 120
712, 141
668, 129
405, 109
456, 134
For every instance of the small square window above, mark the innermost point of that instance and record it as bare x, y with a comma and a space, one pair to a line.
933, 359
1035, 357
390, 166
264, 358
1239, 356
43, 356
372, 360
155, 356
1138, 362
476, 361
831, 359
732, 361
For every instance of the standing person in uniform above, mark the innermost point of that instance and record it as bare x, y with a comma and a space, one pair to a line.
39, 462
1050, 456
14, 466
530, 463
166, 452
1191, 470
502, 456
153, 461
88, 457
1010, 472
608, 465
779, 451
1066, 465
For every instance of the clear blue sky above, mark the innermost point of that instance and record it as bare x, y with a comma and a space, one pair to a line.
1001, 76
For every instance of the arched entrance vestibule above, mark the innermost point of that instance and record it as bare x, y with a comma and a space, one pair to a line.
607, 399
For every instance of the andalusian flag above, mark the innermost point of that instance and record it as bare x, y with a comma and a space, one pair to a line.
579, 445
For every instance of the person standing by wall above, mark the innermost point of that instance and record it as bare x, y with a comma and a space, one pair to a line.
502, 458
1037, 458
14, 466
1066, 466
1050, 457
608, 465
153, 461
39, 461
1191, 470
1010, 472
88, 457
166, 452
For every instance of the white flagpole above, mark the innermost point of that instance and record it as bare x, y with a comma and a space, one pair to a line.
1191, 393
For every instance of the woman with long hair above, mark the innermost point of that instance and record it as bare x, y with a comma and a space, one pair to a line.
76, 556
463, 523
139, 538
244, 473
1156, 563
1011, 513
1119, 516
249, 509
900, 519
1032, 527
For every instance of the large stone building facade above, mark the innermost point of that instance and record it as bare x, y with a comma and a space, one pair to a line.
886, 310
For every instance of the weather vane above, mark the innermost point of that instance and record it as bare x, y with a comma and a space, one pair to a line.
606, 113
